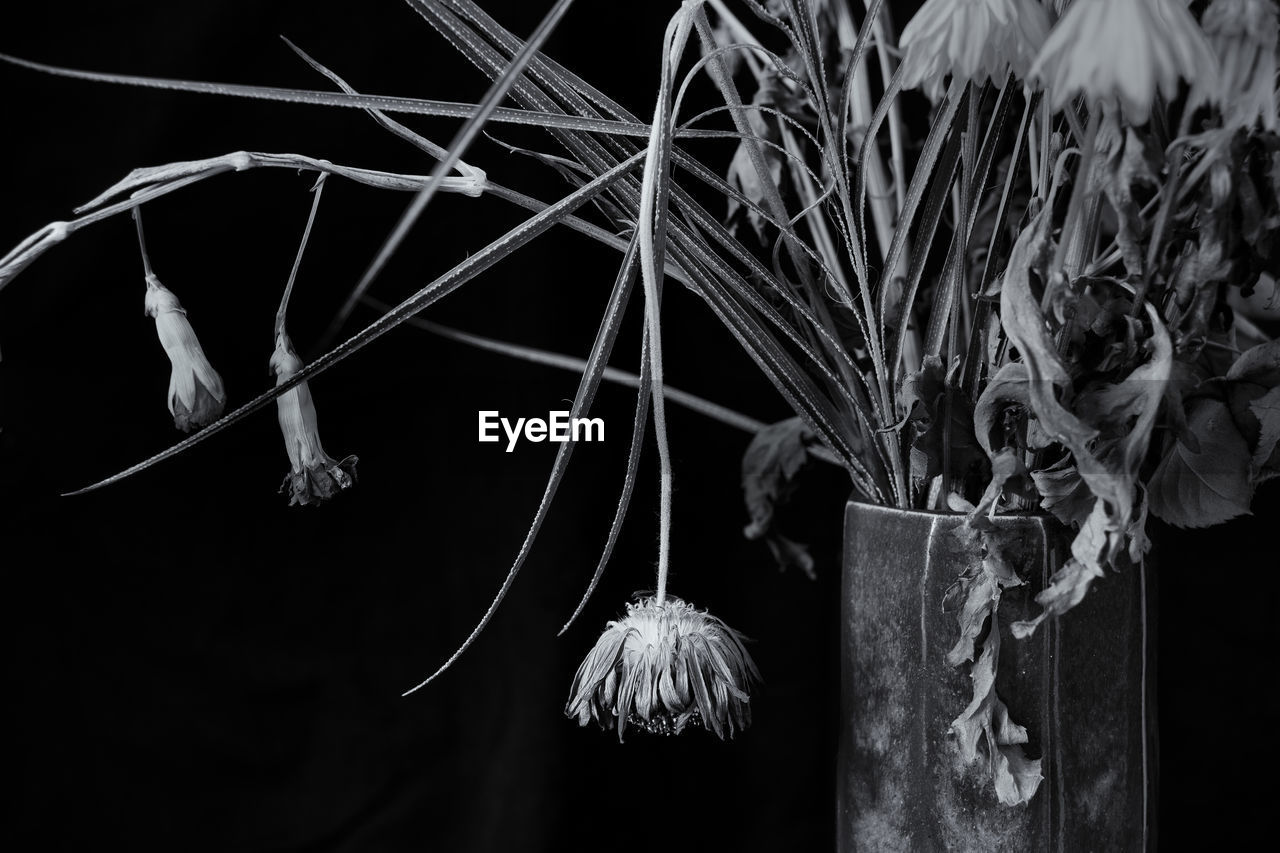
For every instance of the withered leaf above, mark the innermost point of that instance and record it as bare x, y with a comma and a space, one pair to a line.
769, 468
986, 722
1191, 489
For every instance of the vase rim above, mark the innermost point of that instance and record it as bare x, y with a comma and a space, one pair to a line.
1031, 515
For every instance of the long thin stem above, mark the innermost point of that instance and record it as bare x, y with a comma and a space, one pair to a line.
142, 245
302, 248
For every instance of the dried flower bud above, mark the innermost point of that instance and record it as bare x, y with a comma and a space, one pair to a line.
972, 40
1119, 53
196, 397
313, 477
662, 668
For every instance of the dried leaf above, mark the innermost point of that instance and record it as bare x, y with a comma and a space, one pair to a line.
1191, 489
1094, 547
1063, 493
986, 721
1266, 457
769, 468
1009, 387
975, 597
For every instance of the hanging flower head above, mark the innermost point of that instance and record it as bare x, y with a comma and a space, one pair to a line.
1243, 34
662, 668
313, 476
196, 397
972, 40
1119, 53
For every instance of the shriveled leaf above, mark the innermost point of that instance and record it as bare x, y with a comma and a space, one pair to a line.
975, 595
1266, 457
1006, 466
770, 465
1127, 160
1028, 330
1063, 493
1252, 382
985, 724
1094, 547
1192, 489
1009, 387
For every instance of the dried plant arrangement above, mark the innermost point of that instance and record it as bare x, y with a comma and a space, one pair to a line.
1015, 258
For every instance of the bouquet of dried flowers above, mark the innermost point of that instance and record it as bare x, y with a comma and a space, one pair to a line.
1058, 293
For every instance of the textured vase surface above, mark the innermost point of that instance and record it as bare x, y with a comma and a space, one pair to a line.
1082, 685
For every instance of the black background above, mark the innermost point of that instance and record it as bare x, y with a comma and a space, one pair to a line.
192, 665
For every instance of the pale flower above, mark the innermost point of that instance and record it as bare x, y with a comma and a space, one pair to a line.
662, 668
196, 397
972, 40
1119, 53
1243, 34
314, 476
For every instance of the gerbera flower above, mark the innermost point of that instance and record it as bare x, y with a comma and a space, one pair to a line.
1121, 52
314, 476
1243, 34
196, 397
972, 40
662, 668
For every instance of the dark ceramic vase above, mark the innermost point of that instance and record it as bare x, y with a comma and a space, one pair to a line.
1083, 686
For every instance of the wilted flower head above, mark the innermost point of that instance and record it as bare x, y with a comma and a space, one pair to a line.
1119, 53
313, 476
664, 667
973, 40
196, 397
1243, 34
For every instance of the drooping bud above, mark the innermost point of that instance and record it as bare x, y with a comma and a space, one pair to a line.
314, 476
196, 397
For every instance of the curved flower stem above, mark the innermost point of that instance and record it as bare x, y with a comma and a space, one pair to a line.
651, 224
297, 261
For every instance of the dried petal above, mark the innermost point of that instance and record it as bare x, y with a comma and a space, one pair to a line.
662, 668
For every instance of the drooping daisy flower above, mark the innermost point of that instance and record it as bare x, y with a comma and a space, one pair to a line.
972, 40
1119, 53
313, 477
662, 668
1243, 34
196, 397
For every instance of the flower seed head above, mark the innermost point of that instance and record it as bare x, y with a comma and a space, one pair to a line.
1120, 53
662, 668
314, 476
196, 397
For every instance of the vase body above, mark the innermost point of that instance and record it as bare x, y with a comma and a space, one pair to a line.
1081, 685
